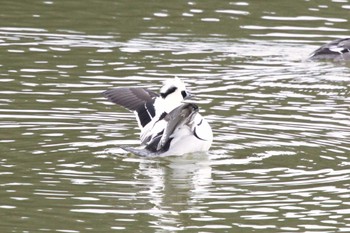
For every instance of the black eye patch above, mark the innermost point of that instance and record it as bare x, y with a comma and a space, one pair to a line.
168, 92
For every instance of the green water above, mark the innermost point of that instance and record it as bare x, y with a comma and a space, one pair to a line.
280, 157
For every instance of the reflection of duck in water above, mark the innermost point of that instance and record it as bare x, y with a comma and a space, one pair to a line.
168, 126
337, 50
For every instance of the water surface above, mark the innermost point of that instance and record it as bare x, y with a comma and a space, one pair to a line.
280, 157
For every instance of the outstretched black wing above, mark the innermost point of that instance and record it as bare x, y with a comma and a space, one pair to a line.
130, 98
135, 99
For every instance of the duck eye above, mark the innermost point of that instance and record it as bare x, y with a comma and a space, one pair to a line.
184, 94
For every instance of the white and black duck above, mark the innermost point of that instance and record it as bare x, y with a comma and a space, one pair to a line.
169, 126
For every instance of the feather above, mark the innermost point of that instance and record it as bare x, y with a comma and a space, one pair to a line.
337, 49
179, 117
130, 98
135, 99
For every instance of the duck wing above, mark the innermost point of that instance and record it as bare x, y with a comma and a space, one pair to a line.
139, 100
332, 49
175, 120
130, 98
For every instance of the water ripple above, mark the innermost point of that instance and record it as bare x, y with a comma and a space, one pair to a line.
279, 159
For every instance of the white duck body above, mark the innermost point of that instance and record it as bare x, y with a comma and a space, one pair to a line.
189, 138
